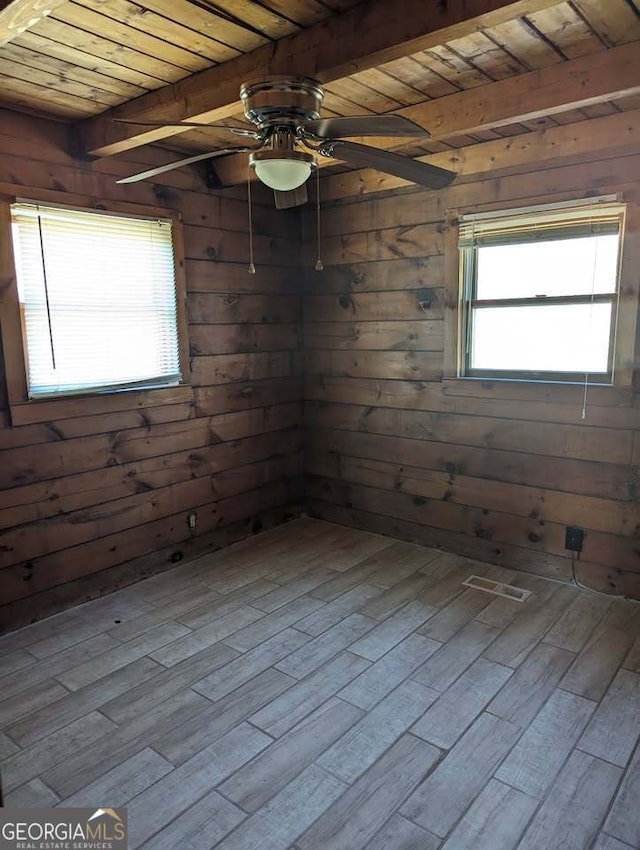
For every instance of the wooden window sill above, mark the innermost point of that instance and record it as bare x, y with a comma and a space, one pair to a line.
67, 407
525, 390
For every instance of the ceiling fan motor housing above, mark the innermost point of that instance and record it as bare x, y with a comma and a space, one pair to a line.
281, 101
279, 106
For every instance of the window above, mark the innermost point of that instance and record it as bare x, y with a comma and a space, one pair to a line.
539, 292
98, 304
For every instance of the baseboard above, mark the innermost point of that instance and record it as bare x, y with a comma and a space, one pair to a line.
56, 599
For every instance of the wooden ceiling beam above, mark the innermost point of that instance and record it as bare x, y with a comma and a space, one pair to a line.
586, 81
581, 82
361, 38
595, 138
16, 16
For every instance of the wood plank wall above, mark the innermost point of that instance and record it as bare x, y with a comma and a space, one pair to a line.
490, 472
99, 499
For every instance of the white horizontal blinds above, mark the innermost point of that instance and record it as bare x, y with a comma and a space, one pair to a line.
596, 218
98, 297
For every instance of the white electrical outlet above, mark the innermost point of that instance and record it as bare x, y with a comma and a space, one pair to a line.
192, 519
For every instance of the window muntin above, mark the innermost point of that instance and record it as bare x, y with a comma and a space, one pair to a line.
97, 298
539, 293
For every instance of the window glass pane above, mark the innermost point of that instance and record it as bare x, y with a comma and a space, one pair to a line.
553, 338
557, 267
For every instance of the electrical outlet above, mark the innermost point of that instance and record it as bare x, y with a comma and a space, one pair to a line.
574, 538
192, 520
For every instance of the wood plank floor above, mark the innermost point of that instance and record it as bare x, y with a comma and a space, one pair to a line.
321, 688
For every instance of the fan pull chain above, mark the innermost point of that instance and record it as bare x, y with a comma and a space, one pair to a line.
319, 266
252, 268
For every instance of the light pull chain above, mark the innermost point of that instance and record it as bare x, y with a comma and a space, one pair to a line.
319, 265
252, 268
46, 289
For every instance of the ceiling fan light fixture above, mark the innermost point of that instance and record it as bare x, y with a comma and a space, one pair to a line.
282, 170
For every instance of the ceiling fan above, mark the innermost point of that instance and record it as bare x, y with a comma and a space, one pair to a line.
288, 131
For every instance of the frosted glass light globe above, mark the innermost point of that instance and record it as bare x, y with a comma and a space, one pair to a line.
282, 174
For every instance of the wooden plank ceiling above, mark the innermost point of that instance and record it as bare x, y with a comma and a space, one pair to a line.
86, 56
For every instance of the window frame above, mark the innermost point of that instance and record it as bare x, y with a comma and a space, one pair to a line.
623, 331
26, 410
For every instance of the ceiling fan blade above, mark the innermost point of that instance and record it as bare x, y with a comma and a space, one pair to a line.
153, 172
364, 125
294, 198
242, 131
391, 163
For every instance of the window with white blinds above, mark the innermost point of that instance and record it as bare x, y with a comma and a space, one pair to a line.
98, 300
539, 291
